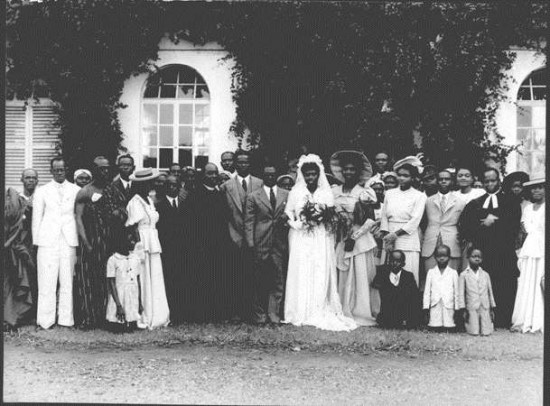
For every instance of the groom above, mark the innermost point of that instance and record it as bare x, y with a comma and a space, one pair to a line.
267, 235
236, 190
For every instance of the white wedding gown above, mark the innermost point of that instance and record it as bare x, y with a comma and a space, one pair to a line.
311, 287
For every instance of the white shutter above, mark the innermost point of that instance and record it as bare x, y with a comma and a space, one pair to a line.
45, 136
16, 117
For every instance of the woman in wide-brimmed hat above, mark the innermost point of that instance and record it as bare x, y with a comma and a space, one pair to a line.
355, 251
528, 315
142, 213
513, 185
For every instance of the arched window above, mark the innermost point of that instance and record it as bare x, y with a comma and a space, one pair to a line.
531, 124
175, 118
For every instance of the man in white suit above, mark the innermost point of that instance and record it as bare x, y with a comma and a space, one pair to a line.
54, 232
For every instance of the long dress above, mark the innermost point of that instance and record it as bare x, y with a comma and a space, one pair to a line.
153, 293
357, 268
528, 315
311, 287
403, 209
90, 283
18, 260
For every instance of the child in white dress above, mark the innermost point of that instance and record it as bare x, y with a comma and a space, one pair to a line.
124, 268
441, 291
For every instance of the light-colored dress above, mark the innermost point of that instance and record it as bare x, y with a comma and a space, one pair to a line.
357, 268
153, 293
311, 287
528, 315
125, 269
403, 209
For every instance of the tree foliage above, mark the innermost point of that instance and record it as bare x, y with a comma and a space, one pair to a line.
326, 75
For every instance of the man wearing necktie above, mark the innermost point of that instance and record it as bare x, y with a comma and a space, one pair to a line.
236, 191
491, 223
171, 232
443, 210
115, 199
267, 236
54, 232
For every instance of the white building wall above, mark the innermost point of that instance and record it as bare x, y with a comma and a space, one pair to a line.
506, 118
207, 61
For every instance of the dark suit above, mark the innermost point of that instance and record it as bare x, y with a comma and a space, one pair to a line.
235, 198
497, 244
400, 303
171, 232
113, 210
267, 234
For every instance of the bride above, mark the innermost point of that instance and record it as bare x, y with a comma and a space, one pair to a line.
311, 287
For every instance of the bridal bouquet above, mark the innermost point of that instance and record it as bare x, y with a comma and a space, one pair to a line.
316, 214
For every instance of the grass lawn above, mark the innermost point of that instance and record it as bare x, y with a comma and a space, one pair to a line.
364, 341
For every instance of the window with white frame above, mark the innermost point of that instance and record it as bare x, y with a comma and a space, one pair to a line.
175, 118
531, 124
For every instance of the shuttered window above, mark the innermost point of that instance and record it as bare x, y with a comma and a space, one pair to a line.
31, 139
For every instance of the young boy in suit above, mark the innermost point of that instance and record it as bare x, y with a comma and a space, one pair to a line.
476, 296
400, 298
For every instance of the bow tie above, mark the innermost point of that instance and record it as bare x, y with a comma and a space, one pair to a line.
492, 198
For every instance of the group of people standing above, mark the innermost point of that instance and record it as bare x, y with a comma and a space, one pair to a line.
206, 245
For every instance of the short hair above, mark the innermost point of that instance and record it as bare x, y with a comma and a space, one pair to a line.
270, 166
402, 254
227, 152
430, 170
127, 156
57, 159
446, 247
241, 152
28, 169
211, 164
100, 158
410, 168
174, 164
466, 168
471, 249
446, 171
489, 169
382, 152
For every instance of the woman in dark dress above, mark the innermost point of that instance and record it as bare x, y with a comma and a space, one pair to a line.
90, 283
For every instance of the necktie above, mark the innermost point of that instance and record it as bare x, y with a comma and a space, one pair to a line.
174, 205
244, 186
443, 203
272, 198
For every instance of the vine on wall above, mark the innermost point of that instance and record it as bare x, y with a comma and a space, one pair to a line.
323, 75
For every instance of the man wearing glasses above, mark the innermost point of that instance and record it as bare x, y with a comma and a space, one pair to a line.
54, 232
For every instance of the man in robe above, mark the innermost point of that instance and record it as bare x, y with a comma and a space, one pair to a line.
19, 263
209, 258
491, 223
171, 233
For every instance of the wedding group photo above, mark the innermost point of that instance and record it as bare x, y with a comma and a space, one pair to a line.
274, 202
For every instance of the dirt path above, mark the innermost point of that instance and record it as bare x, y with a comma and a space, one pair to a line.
202, 374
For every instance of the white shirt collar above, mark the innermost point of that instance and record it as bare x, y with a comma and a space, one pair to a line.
171, 200
126, 183
395, 277
266, 188
491, 197
246, 179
